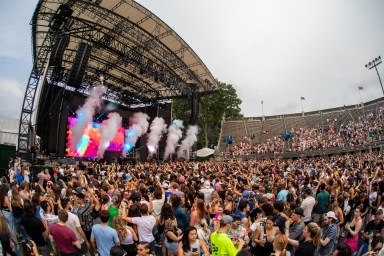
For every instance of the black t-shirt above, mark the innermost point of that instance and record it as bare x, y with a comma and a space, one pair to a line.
34, 228
305, 249
280, 223
374, 229
17, 211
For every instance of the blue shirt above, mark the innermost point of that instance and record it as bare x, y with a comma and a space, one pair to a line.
282, 195
167, 194
181, 217
331, 233
19, 178
106, 237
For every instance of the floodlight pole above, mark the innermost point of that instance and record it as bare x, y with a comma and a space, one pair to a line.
361, 101
377, 61
262, 108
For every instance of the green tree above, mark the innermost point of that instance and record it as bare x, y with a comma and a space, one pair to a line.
213, 108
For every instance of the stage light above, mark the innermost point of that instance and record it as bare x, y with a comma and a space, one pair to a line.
373, 64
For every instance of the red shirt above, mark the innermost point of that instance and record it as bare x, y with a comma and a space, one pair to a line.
64, 238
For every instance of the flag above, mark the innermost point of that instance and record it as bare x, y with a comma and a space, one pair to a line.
262, 102
360, 88
302, 98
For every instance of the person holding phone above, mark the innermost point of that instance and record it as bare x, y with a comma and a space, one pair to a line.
191, 245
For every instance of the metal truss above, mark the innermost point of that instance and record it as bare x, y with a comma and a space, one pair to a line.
24, 136
138, 68
142, 60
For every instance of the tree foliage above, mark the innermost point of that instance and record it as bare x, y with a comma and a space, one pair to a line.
213, 108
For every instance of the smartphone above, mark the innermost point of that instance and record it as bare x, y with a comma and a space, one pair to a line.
194, 249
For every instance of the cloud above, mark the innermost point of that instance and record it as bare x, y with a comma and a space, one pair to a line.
277, 51
15, 40
11, 98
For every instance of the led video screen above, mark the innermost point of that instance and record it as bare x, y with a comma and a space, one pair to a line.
90, 141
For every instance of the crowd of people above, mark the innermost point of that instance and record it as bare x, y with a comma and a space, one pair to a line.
334, 134
327, 206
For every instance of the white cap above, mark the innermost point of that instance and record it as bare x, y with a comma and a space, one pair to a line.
330, 214
165, 184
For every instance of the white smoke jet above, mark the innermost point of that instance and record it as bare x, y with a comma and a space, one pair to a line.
86, 113
108, 131
158, 127
174, 134
139, 127
190, 138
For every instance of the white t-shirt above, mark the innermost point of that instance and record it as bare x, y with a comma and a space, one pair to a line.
207, 194
26, 175
157, 204
12, 175
72, 223
307, 205
145, 226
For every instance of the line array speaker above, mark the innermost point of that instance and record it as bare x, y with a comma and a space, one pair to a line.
58, 51
80, 63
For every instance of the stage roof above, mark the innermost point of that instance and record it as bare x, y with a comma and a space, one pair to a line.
141, 57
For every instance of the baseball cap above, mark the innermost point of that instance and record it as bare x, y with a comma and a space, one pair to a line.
226, 219
165, 184
298, 211
236, 217
330, 214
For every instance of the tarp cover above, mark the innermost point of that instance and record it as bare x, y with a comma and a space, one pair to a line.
204, 152
9, 130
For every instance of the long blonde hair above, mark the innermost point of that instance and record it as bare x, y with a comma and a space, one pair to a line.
170, 224
120, 226
315, 233
204, 226
280, 243
16, 199
3, 225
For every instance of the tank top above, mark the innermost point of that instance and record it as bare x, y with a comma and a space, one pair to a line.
195, 245
128, 239
264, 232
353, 229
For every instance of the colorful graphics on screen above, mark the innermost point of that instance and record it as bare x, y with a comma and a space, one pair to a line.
90, 141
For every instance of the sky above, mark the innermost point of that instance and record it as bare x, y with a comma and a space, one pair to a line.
273, 51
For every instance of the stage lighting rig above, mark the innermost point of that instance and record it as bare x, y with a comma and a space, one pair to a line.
62, 18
